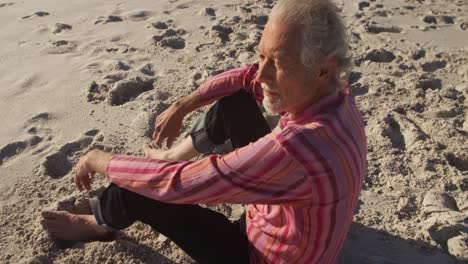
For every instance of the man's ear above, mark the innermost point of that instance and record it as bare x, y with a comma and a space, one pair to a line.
329, 68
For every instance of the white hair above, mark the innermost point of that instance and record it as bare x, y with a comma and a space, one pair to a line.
324, 33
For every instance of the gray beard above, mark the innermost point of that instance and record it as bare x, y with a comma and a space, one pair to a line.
273, 107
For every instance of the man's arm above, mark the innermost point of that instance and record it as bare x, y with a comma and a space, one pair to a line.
169, 122
262, 172
227, 83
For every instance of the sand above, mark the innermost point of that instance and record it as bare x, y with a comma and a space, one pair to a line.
94, 74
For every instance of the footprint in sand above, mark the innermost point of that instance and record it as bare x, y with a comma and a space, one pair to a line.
97, 93
433, 66
37, 14
177, 7
39, 124
429, 81
362, 5
62, 161
220, 33
147, 69
458, 161
6, 4
382, 13
138, 15
403, 132
357, 86
259, 20
59, 27
160, 25
418, 54
59, 43
171, 38
121, 84
126, 90
182, 6
60, 47
15, 148
209, 11
117, 66
408, 7
112, 78
377, 29
380, 55
39, 132
121, 91
108, 19
447, 19
354, 77
120, 48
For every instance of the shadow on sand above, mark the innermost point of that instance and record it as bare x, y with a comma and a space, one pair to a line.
365, 245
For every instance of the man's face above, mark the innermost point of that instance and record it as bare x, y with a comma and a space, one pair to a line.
286, 82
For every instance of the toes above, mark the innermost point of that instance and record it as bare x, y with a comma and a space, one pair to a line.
50, 226
48, 214
54, 215
49, 223
51, 230
45, 223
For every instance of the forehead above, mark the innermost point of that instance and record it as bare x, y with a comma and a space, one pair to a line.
281, 38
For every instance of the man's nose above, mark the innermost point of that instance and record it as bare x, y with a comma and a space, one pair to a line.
264, 73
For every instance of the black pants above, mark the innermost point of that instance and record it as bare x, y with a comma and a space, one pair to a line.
205, 235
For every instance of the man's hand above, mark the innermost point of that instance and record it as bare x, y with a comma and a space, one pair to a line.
167, 125
83, 173
94, 161
169, 122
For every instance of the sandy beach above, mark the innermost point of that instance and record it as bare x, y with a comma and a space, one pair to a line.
79, 75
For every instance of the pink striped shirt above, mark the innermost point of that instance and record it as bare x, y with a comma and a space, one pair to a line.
301, 185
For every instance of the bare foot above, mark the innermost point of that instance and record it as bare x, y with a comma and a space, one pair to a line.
182, 151
66, 226
154, 153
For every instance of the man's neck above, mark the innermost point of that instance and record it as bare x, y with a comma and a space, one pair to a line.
314, 98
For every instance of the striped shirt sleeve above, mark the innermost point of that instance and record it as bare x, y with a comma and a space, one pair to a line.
262, 172
229, 82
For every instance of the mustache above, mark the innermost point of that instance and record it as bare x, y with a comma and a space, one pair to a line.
268, 87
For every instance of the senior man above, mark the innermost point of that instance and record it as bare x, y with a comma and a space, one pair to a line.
300, 182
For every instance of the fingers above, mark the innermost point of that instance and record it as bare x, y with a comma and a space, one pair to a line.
156, 132
83, 175
167, 126
78, 172
158, 140
169, 142
83, 180
157, 127
86, 182
78, 182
